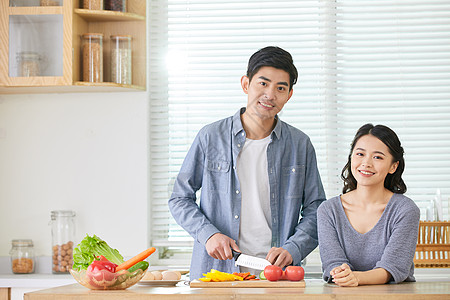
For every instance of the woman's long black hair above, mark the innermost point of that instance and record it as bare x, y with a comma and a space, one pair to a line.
393, 182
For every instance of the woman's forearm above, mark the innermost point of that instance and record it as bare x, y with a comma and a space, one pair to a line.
375, 276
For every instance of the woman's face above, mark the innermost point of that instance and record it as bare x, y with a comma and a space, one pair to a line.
371, 161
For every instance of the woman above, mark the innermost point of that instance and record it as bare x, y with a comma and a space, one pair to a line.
368, 234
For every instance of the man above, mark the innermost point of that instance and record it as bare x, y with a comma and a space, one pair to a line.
257, 176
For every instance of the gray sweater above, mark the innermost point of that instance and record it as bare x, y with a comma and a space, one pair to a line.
390, 244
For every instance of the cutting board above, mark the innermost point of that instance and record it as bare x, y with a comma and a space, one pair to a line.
249, 284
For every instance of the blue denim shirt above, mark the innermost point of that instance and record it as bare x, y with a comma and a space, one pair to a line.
295, 191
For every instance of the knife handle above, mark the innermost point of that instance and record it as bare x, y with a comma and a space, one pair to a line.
235, 254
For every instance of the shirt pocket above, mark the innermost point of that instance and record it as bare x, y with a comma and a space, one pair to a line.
218, 175
293, 181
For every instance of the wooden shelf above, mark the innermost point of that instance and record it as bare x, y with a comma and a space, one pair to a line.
77, 87
36, 10
74, 23
107, 15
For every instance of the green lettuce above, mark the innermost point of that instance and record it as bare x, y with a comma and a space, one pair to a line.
91, 247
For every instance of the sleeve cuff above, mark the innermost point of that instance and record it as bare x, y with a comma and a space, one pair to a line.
205, 233
294, 252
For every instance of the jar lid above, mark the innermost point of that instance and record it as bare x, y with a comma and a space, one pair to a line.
62, 213
28, 55
120, 36
96, 35
22, 243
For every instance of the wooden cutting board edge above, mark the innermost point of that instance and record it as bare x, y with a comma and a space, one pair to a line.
249, 284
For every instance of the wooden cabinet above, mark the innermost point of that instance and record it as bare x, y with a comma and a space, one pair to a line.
5, 293
51, 35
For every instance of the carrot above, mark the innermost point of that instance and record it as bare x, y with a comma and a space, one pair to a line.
134, 260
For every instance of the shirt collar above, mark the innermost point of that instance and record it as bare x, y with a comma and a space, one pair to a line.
238, 128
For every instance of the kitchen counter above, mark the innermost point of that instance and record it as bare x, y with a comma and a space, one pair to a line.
315, 289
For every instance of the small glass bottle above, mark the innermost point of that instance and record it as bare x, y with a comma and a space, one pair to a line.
50, 3
116, 5
22, 256
93, 4
92, 52
121, 59
63, 235
28, 63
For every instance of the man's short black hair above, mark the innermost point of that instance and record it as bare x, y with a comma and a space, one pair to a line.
275, 57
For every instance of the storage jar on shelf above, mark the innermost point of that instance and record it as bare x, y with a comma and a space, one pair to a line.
92, 52
121, 59
28, 64
93, 4
116, 5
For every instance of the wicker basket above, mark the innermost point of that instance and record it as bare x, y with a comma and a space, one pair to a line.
433, 245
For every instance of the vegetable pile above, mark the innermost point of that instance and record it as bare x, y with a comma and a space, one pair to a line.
215, 276
105, 266
246, 276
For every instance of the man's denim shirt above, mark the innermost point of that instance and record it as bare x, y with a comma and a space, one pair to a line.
295, 191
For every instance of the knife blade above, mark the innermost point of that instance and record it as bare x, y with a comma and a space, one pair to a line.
249, 261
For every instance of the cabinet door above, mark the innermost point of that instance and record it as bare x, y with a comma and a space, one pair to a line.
5, 293
36, 43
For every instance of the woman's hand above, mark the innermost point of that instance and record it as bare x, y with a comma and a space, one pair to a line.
344, 276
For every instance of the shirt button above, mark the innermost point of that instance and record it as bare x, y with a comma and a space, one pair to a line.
243, 134
234, 167
237, 191
293, 170
239, 145
236, 217
218, 168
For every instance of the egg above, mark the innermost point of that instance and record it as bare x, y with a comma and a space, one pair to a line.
157, 274
178, 274
148, 276
169, 275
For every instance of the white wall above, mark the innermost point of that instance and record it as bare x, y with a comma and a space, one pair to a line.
85, 152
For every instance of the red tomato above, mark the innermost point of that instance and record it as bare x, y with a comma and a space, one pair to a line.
273, 273
294, 273
101, 273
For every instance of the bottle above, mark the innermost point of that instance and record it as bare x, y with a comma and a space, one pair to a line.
116, 5
63, 234
28, 63
92, 51
121, 59
22, 256
93, 4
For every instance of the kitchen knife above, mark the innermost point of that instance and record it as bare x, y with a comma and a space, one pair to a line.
248, 261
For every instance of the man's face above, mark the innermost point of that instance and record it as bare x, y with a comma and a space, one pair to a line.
268, 92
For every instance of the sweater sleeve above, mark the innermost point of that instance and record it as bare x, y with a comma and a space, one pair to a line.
331, 252
398, 255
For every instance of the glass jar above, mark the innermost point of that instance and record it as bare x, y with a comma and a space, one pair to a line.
63, 235
28, 64
93, 4
50, 3
92, 52
22, 256
116, 5
121, 59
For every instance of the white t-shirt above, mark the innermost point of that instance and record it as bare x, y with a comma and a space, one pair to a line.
255, 236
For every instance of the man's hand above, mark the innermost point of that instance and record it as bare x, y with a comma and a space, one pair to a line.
279, 257
219, 246
344, 276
